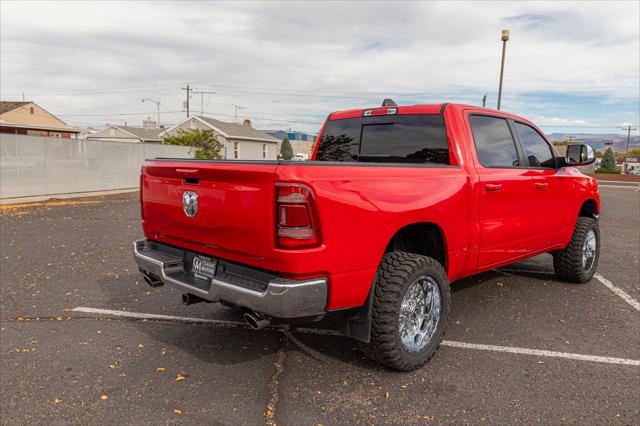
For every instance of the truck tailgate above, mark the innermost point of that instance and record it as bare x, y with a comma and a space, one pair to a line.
235, 214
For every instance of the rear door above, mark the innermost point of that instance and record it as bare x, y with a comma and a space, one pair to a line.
504, 191
552, 189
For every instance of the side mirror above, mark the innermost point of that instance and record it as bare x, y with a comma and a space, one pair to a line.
579, 155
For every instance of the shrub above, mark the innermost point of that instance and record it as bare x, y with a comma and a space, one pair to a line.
286, 150
205, 143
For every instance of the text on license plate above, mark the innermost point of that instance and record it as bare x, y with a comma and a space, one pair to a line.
204, 267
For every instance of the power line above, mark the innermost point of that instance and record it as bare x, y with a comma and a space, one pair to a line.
235, 115
202, 93
116, 114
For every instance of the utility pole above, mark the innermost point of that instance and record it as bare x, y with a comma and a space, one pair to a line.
626, 152
484, 100
235, 114
202, 93
188, 89
505, 38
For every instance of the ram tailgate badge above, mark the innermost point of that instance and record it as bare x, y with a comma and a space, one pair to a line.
190, 203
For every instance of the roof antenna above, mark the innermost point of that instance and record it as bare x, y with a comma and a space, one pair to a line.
389, 102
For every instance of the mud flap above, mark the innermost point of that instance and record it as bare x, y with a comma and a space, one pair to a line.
359, 327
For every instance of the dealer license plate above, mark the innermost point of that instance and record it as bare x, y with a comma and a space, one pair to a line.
204, 267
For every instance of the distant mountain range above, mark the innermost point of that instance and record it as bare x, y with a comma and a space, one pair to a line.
617, 142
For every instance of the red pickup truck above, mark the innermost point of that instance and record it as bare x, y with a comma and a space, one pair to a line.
396, 203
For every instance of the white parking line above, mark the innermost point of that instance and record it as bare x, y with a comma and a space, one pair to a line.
306, 330
618, 291
543, 353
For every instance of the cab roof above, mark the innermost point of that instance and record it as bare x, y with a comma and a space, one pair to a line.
414, 109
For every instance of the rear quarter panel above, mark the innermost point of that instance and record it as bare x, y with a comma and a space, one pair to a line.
361, 207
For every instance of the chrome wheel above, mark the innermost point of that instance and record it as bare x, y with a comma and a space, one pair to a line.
419, 313
589, 250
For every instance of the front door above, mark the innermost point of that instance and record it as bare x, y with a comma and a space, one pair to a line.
552, 190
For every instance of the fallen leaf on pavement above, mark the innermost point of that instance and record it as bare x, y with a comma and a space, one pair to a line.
104, 397
177, 411
160, 369
179, 377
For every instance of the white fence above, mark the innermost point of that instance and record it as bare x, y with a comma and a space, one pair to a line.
31, 165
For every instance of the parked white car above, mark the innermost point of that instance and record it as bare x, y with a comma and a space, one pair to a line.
300, 157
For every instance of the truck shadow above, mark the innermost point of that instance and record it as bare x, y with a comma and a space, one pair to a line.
233, 344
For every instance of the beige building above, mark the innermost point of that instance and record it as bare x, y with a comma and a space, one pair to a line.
114, 133
239, 141
28, 118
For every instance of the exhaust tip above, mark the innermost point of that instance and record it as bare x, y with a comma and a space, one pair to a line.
255, 321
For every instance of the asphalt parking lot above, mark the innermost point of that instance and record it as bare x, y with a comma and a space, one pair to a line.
65, 359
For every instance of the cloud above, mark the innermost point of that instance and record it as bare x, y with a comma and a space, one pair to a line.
555, 121
299, 61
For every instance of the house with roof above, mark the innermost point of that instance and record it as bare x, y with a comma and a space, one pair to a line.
148, 133
28, 118
239, 141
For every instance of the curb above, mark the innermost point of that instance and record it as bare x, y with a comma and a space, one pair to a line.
38, 198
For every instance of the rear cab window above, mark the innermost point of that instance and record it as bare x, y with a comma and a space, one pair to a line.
402, 138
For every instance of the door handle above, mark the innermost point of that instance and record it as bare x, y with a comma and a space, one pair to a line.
493, 187
541, 185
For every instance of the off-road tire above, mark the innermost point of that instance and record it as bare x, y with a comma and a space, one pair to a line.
567, 263
397, 271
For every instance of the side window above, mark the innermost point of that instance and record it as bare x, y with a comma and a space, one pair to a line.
535, 147
494, 143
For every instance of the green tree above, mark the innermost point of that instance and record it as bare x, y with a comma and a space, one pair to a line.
608, 163
598, 153
205, 142
286, 150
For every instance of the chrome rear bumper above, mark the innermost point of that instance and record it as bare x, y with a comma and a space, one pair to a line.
279, 297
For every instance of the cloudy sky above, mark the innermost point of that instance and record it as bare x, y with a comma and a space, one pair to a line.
571, 66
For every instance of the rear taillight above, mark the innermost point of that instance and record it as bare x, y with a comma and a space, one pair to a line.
296, 216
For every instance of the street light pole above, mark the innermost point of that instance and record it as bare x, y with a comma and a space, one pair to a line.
157, 102
505, 38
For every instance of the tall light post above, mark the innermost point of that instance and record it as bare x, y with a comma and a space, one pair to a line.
505, 38
157, 102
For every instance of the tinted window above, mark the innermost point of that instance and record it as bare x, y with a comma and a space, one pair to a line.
395, 139
494, 143
340, 141
535, 147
